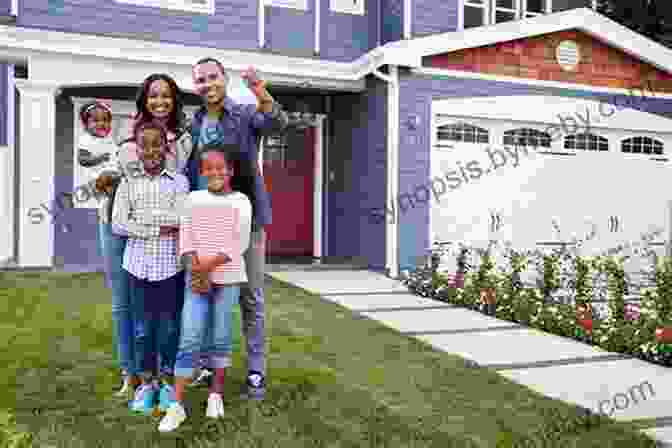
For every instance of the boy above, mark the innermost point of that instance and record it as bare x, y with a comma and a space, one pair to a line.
214, 235
146, 210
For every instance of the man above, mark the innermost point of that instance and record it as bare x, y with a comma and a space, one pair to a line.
222, 121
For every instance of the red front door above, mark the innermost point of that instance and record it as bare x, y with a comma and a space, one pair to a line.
289, 178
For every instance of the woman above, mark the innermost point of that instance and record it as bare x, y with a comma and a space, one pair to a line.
159, 98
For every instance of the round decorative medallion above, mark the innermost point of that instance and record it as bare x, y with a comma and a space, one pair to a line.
568, 55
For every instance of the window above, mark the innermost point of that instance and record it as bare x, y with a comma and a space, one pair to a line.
504, 11
586, 142
475, 13
564, 5
527, 137
462, 132
487, 12
642, 145
198, 6
534, 8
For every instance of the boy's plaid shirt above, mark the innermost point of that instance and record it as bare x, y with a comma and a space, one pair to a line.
141, 206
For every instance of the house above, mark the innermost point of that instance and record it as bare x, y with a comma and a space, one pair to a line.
396, 91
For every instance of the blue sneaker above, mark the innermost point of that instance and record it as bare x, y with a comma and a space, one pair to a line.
166, 397
144, 400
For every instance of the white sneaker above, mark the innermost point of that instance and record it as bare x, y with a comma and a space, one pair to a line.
174, 417
125, 387
215, 406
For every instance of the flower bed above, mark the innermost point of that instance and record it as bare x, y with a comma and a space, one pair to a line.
562, 300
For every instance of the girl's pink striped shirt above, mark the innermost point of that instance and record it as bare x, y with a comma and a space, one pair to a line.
212, 224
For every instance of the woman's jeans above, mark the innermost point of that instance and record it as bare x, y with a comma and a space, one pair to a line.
206, 327
117, 278
158, 303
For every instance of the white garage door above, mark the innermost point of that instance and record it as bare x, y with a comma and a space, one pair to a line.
613, 177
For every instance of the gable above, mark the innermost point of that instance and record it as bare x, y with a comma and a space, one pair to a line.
535, 58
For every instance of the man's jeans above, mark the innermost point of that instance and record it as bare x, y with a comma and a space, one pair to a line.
207, 327
118, 281
252, 302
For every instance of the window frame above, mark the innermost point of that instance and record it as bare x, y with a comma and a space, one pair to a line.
460, 127
483, 5
584, 136
642, 138
490, 9
539, 136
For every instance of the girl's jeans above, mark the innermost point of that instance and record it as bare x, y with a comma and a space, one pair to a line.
117, 280
158, 303
206, 314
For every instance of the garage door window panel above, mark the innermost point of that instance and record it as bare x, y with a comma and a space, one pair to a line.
642, 145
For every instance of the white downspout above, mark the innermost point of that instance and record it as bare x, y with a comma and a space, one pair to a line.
392, 225
261, 26
407, 19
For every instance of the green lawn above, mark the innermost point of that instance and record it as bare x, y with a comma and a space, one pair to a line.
334, 381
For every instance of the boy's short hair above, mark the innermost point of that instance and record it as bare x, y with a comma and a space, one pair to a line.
230, 152
141, 126
87, 108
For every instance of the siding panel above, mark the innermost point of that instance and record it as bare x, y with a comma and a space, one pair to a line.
357, 156
344, 37
433, 16
416, 94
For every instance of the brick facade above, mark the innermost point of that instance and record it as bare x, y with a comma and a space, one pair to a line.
534, 58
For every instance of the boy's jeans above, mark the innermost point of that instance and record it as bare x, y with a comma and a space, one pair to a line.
206, 327
158, 304
117, 280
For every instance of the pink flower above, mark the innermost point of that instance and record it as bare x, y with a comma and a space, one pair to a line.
632, 311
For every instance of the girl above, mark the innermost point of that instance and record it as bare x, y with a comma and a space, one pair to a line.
159, 99
217, 270
96, 150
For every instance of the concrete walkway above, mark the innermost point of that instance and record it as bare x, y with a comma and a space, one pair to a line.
626, 389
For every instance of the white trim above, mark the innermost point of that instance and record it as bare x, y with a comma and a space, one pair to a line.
38, 111
14, 8
317, 26
582, 19
10, 178
317, 188
408, 12
427, 71
261, 17
175, 5
392, 187
460, 15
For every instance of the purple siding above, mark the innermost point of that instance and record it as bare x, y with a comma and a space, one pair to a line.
416, 94
3, 104
344, 37
433, 16
357, 157
280, 26
5, 7
392, 25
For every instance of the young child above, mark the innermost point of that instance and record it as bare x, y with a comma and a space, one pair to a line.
96, 150
214, 233
146, 210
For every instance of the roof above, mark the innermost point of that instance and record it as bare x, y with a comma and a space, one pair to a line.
21, 44
583, 19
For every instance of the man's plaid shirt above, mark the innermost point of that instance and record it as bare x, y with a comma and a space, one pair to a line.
141, 206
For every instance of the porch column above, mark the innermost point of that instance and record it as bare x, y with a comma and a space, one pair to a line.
36, 141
